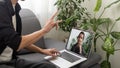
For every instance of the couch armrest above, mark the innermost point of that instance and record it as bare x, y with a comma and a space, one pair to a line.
30, 24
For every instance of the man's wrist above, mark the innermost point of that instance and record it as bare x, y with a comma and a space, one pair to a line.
44, 30
41, 50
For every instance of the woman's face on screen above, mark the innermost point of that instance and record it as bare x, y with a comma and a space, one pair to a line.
80, 38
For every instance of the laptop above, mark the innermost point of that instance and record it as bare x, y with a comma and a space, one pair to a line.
77, 49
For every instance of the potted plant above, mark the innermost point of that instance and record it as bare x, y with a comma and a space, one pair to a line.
70, 11
108, 36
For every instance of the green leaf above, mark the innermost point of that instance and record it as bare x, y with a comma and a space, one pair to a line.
70, 11
118, 19
103, 20
105, 64
84, 26
98, 5
94, 24
116, 35
107, 46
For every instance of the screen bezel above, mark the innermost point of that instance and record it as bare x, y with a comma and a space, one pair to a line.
91, 33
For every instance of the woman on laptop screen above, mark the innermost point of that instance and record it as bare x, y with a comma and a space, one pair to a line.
77, 47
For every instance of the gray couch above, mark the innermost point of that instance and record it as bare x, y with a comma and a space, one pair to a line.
31, 24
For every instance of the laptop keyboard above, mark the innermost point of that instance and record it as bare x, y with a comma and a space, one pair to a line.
69, 57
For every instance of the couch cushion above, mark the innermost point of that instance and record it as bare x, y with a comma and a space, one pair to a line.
5, 66
30, 24
51, 43
33, 57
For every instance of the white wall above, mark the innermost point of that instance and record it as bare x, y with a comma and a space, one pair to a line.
39, 7
44, 9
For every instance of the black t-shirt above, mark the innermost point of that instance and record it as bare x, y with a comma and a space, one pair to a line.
8, 36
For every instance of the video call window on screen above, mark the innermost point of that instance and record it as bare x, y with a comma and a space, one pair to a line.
80, 42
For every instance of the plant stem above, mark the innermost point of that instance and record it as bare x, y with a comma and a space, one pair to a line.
107, 28
113, 26
117, 49
101, 31
95, 39
115, 42
101, 37
108, 63
107, 57
102, 13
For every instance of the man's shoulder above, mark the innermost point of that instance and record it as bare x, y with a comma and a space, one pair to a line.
2, 2
5, 8
2, 5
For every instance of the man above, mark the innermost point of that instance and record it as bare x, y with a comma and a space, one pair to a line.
10, 38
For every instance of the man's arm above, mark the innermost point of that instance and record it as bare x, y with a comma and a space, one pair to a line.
33, 37
34, 48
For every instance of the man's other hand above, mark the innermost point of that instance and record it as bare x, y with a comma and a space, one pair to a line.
51, 52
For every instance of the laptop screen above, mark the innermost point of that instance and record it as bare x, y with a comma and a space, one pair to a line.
80, 42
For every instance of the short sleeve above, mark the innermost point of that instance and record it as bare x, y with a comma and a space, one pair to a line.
12, 38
